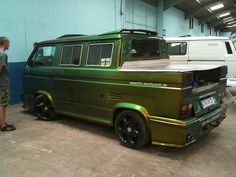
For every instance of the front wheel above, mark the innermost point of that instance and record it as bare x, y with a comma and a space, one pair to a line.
43, 108
131, 129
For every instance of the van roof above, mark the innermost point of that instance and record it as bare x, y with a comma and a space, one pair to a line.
109, 35
196, 38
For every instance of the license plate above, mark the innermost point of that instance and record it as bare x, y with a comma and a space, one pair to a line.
208, 102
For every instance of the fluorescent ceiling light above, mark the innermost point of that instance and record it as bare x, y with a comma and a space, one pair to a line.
218, 6
231, 26
224, 15
231, 22
227, 18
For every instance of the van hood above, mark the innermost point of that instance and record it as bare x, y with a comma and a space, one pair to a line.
163, 65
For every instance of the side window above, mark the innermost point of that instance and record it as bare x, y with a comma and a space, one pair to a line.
100, 55
76, 56
44, 56
228, 48
177, 48
145, 49
71, 54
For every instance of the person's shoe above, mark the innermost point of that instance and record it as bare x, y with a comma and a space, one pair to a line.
8, 128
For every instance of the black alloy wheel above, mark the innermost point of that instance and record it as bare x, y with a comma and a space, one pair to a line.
131, 129
43, 108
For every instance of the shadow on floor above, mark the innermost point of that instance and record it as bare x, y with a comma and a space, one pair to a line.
108, 132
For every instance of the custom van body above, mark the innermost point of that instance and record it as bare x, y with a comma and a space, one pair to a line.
123, 79
203, 51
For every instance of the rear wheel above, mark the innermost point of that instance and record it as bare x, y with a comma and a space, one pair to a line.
131, 129
43, 108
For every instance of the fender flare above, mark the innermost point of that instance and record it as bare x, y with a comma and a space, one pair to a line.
45, 93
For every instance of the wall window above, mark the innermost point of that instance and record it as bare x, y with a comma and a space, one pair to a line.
202, 28
44, 56
191, 20
71, 54
228, 48
100, 55
177, 48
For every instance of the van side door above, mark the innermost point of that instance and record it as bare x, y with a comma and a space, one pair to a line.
81, 89
66, 81
38, 69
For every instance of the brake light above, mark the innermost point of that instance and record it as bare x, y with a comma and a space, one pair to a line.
186, 109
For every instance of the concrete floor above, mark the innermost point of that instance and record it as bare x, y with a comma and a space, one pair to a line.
74, 148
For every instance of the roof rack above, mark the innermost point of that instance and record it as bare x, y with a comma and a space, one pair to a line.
70, 35
131, 31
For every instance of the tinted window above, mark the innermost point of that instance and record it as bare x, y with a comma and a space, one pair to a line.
66, 55
76, 55
228, 48
44, 56
179, 48
71, 54
145, 49
100, 55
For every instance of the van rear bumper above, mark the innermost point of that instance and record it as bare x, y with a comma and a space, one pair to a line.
180, 133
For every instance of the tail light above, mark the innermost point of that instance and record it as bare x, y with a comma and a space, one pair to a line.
186, 109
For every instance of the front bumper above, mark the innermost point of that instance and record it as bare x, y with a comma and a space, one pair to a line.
179, 133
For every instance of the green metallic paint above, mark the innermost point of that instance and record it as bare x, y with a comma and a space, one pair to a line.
132, 106
95, 93
45, 93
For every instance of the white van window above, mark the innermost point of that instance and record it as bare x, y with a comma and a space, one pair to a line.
228, 48
177, 48
100, 55
44, 56
71, 55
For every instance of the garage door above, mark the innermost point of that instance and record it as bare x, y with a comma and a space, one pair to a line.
140, 15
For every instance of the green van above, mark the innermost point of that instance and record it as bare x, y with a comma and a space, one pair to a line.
124, 79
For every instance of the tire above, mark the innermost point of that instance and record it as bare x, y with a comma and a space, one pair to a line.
131, 129
43, 108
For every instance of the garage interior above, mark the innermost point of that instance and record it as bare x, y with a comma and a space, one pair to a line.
71, 147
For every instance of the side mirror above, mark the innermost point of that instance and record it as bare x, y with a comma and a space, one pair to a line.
30, 63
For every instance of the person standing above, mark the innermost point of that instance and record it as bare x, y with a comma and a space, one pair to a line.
4, 84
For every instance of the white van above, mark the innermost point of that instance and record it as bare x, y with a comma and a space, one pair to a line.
203, 51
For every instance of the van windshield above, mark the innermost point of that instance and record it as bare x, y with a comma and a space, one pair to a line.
145, 50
